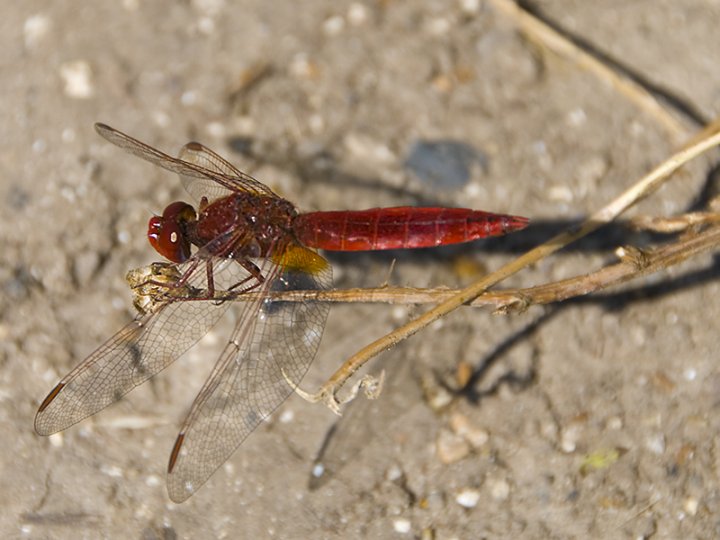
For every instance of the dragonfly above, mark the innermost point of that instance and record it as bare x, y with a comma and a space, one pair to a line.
241, 239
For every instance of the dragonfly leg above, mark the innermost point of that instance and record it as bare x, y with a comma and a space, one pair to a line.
255, 276
254, 271
210, 278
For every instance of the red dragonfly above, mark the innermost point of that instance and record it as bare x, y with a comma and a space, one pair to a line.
248, 240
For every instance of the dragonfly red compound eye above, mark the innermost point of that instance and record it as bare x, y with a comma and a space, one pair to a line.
167, 233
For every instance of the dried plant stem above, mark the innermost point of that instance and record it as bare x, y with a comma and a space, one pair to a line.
554, 41
634, 263
645, 186
676, 223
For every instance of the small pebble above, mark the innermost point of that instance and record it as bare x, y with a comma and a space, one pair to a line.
316, 123
438, 26
357, 14
691, 505
560, 194
132, 421
394, 473
287, 416
303, 67
472, 190
153, 480
77, 76
464, 370
570, 437
366, 148
470, 6
56, 440
188, 98
215, 129
39, 146
499, 489
476, 436
576, 117
68, 135
318, 470
399, 313
436, 395
468, 497
35, 29
161, 118
444, 164
402, 526
206, 25
656, 443
334, 25
123, 236
112, 471
451, 448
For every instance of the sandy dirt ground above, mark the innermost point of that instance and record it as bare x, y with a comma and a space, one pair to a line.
593, 418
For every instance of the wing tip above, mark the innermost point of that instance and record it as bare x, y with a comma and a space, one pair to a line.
175, 452
50, 397
102, 128
41, 427
178, 490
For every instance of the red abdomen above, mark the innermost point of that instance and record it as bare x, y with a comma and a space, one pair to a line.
400, 227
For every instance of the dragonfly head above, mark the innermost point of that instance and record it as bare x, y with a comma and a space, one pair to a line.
168, 233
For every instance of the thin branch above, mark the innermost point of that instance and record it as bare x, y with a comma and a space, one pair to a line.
675, 224
634, 263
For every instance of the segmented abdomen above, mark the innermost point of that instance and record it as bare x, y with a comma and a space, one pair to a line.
400, 227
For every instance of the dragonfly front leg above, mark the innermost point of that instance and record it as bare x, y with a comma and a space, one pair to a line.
252, 281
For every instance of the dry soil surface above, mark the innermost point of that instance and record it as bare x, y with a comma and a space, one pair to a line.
592, 418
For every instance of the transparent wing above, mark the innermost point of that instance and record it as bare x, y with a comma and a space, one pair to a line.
140, 350
206, 168
205, 158
268, 354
